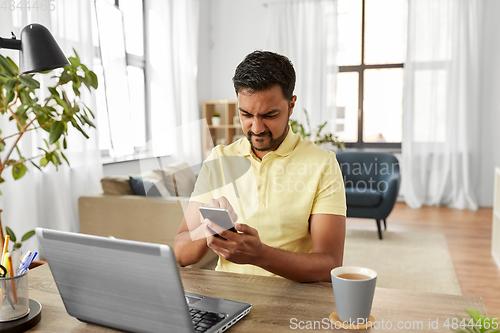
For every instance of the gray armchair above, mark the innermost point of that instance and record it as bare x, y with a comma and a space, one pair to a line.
371, 183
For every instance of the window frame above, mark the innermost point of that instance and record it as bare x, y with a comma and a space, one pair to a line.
360, 69
138, 62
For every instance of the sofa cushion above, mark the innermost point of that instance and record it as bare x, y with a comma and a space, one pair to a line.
178, 179
150, 187
118, 185
362, 197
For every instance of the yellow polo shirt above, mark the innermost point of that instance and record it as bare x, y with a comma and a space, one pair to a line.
277, 195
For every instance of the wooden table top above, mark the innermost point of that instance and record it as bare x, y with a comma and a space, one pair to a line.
279, 305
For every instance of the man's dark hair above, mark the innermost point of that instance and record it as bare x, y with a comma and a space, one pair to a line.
262, 70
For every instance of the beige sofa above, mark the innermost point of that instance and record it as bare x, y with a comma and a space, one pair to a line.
135, 217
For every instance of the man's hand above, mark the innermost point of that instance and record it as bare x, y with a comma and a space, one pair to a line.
190, 244
221, 202
243, 247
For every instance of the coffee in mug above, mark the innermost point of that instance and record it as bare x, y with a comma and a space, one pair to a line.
353, 276
353, 288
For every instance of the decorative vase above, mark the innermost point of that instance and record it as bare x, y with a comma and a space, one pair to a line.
215, 121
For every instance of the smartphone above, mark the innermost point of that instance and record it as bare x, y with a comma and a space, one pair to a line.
220, 216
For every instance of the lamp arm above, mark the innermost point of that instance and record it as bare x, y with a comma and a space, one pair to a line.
10, 43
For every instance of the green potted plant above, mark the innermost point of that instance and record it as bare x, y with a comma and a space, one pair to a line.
477, 323
316, 137
216, 119
18, 103
18, 243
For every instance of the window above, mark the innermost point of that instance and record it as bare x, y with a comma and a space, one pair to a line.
372, 51
133, 27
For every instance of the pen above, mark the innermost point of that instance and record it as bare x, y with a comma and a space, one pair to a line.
5, 247
26, 264
12, 282
5, 264
23, 261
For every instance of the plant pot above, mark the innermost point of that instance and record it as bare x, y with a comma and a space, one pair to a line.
215, 121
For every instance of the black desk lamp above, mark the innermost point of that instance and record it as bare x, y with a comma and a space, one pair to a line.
39, 50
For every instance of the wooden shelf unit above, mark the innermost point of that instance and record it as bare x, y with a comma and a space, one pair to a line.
495, 241
224, 133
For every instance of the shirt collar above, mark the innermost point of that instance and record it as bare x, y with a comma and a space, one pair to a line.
285, 148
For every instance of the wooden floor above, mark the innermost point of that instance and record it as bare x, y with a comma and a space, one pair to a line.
469, 239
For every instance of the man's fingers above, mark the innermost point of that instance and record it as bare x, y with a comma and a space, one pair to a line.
213, 203
246, 229
224, 203
234, 216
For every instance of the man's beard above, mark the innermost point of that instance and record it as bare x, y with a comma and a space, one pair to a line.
272, 144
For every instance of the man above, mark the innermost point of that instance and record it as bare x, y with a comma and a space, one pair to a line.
291, 199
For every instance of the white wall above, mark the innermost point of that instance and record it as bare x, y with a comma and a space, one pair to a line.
490, 109
229, 30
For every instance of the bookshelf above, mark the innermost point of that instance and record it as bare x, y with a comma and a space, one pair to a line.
226, 132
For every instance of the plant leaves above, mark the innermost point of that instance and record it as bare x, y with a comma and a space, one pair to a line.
75, 62
9, 98
56, 130
94, 82
54, 91
76, 90
3, 78
7, 66
13, 64
29, 82
64, 156
55, 159
9, 85
36, 166
87, 120
65, 145
63, 104
90, 111
76, 55
75, 125
65, 78
2, 145
19, 170
11, 234
44, 161
27, 235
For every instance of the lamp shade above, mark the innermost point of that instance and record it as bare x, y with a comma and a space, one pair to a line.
39, 50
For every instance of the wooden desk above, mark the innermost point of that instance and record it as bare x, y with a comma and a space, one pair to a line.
275, 302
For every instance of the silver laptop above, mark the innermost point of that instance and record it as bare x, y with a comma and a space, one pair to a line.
131, 286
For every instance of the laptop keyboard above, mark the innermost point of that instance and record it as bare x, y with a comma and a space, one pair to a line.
204, 320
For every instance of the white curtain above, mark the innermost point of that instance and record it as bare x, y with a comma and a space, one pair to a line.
49, 198
306, 32
172, 70
441, 104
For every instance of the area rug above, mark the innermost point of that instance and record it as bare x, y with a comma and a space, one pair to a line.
404, 260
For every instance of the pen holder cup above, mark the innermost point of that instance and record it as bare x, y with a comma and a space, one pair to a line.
14, 298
